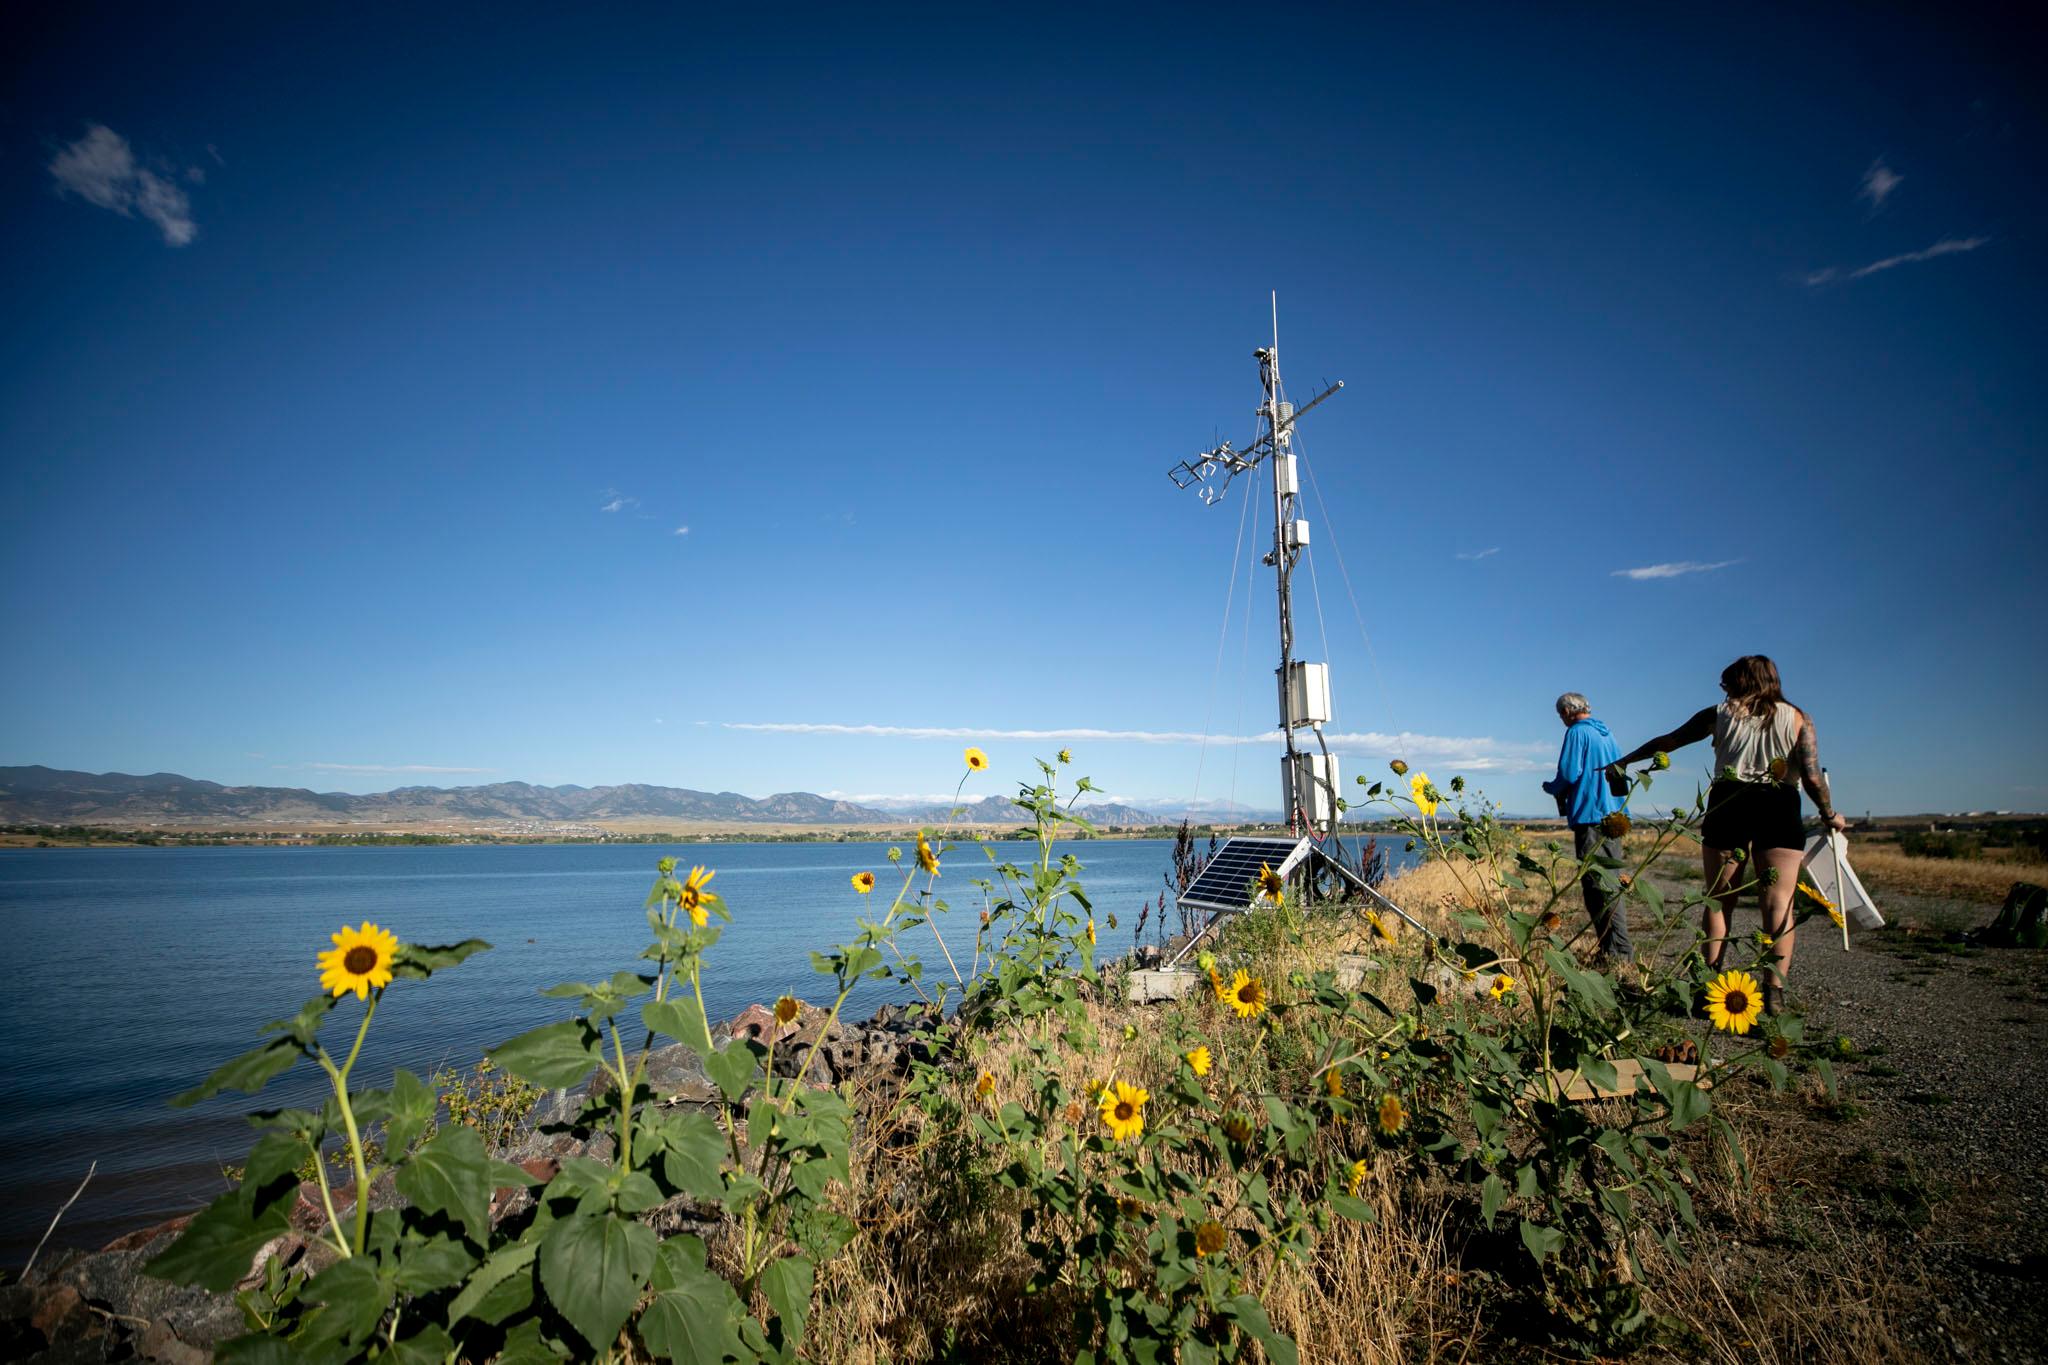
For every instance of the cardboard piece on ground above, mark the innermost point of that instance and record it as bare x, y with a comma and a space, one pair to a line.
1147, 987
1627, 1071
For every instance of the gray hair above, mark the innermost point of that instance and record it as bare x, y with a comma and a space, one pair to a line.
1572, 703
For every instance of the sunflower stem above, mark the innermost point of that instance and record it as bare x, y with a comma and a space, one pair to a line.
327, 1202
627, 1083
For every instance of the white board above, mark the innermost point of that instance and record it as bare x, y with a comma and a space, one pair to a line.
1827, 866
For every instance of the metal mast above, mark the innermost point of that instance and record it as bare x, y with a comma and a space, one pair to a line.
1308, 780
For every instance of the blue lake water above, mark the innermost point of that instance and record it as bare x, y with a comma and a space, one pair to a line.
136, 971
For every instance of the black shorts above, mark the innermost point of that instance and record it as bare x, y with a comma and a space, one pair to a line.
1752, 815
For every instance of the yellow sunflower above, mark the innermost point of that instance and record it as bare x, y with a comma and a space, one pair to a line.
1210, 1239
787, 1009
1502, 985
1836, 916
1271, 884
1356, 1177
693, 895
1123, 1110
864, 882
1379, 926
1066, 756
1424, 792
1393, 1118
1216, 984
359, 961
1812, 893
927, 859
1091, 931
1734, 1002
976, 760
1247, 995
1333, 1081
986, 1085
1198, 1060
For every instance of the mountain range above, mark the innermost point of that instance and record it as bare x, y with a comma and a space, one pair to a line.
37, 794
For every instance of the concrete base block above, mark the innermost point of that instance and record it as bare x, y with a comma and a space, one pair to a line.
1146, 987
1353, 968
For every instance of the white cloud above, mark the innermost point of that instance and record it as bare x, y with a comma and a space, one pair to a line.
1473, 753
615, 501
1683, 566
100, 169
1479, 554
390, 768
1947, 246
682, 530
1878, 183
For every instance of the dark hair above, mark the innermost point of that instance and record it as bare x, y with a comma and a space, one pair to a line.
1751, 682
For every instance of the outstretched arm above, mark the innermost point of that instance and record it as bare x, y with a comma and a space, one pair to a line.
1693, 731
1807, 756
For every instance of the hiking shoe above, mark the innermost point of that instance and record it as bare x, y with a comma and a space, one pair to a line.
1774, 998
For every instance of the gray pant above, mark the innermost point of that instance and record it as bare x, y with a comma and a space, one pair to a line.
1605, 907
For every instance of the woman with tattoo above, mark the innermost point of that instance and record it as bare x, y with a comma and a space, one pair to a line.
1764, 753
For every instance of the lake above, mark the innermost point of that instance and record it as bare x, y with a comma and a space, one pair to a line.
137, 971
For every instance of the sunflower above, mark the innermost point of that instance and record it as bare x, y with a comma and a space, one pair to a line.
864, 882
1333, 1081
1393, 1118
927, 859
1780, 1046
1836, 916
1271, 884
1660, 760
693, 895
1066, 755
1198, 1060
1246, 994
976, 760
1091, 931
986, 1085
1216, 984
1355, 1178
1379, 926
1502, 985
1123, 1109
1614, 824
787, 1009
1400, 768
1812, 893
1734, 1002
359, 961
1424, 792
1073, 1111
1210, 1238
1237, 1127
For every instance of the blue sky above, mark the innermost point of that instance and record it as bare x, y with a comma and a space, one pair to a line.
554, 396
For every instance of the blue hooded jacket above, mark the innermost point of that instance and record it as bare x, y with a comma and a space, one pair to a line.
1581, 767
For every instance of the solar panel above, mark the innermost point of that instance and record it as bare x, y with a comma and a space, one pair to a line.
1230, 880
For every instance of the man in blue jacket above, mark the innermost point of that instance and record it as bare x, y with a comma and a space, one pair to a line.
1584, 800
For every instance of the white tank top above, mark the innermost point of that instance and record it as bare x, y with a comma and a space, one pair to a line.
1747, 744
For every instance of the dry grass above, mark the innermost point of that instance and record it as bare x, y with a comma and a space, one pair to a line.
1984, 880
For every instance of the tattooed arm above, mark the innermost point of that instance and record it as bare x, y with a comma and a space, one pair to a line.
1807, 759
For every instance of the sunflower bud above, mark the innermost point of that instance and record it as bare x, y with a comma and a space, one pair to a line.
1660, 760
1400, 768
1615, 824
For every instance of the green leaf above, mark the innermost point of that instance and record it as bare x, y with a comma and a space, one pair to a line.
247, 1073
787, 1283
433, 1264
673, 1019
418, 961
498, 1267
593, 1267
1352, 1207
1591, 988
452, 1175
258, 1348
694, 1315
732, 1067
527, 1344
217, 1247
353, 1298
1492, 1195
1249, 1314
1541, 1241
553, 1055
694, 1150
413, 1106
428, 1346
306, 1023
272, 1171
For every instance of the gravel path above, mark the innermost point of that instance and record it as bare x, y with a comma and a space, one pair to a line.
1938, 1144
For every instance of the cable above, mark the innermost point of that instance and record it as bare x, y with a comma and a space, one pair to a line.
1222, 638
1244, 662
1386, 707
